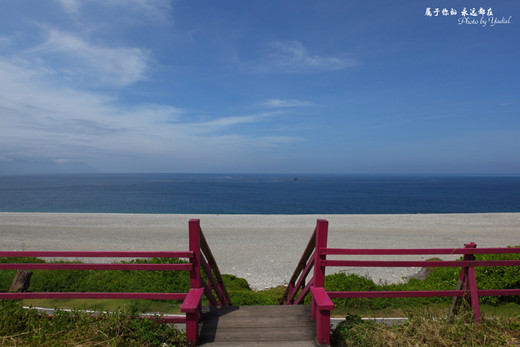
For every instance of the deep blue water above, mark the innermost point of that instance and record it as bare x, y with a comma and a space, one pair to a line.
258, 194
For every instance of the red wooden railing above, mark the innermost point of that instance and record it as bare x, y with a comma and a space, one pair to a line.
200, 260
316, 252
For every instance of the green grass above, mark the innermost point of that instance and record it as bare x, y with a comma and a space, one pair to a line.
500, 277
241, 293
106, 304
33, 333
426, 329
20, 327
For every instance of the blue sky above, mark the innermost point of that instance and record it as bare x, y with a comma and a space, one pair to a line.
259, 86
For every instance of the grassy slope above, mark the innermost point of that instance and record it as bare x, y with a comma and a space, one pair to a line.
426, 329
241, 294
426, 326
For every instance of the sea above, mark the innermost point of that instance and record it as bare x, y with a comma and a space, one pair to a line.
259, 193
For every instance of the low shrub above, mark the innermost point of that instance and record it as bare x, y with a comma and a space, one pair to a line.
500, 277
241, 293
424, 329
20, 326
104, 280
234, 283
250, 297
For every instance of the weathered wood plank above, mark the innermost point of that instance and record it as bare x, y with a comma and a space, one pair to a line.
300, 343
276, 310
260, 334
258, 325
257, 322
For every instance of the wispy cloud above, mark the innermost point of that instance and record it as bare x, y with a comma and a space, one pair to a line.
70, 6
276, 103
236, 120
293, 57
65, 86
154, 10
79, 59
272, 140
42, 119
5, 41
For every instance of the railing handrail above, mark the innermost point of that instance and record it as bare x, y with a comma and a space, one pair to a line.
321, 304
305, 257
421, 263
419, 293
97, 266
417, 251
310, 259
223, 295
96, 254
94, 295
94, 266
292, 288
199, 256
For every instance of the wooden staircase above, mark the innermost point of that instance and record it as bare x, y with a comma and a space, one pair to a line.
289, 325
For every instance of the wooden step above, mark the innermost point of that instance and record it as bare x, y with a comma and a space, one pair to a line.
304, 343
255, 322
259, 334
303, 310
258, 326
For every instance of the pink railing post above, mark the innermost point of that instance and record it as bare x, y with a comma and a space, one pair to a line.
191, 306
468, 283
195, 273
317, 251
324, 305
322, 230
200, 258
290, 290
471, 283
193, 318
320, 314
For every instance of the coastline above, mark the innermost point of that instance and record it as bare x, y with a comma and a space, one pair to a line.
263, 249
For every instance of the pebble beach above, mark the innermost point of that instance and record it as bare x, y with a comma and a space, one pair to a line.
263, 249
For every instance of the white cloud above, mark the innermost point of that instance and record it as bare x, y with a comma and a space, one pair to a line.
157, 10
235, 120
61, 161
41, 119
71, 6
275, 103
293, 57
115, 66
153, 10
5, 41
280, 139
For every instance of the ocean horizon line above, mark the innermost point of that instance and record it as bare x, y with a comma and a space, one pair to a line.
325, 174
258, 194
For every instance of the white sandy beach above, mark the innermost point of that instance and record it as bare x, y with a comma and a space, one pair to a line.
264, 249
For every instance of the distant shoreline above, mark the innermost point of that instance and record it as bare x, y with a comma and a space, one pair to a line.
264, 249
